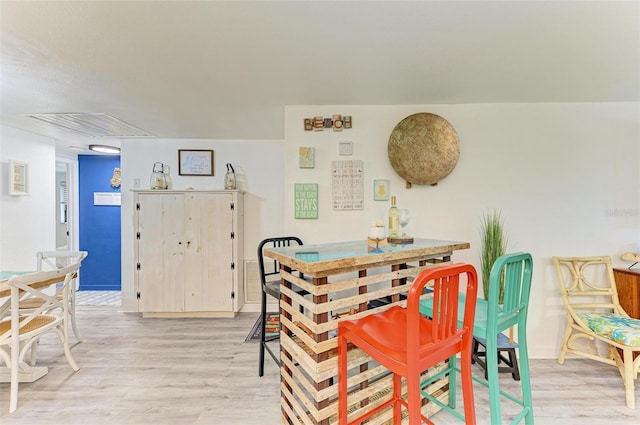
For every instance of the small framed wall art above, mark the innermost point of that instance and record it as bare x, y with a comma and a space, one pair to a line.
198, 162
345, 148
381, 190
17, 178
307, 158
305, 200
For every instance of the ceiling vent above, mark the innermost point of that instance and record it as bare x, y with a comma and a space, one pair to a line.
95, 125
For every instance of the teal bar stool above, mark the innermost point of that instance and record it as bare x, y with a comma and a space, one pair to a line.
491, 319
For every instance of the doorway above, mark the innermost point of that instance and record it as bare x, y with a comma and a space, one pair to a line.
99, 222
66, 217
68, 232
62, 207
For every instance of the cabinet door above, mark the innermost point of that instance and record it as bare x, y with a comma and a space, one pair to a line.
628, 285
209, 252
161, 252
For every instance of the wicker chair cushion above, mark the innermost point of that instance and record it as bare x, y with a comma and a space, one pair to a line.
36, 323
623, 330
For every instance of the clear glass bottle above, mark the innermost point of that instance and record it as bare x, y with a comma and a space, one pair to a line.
168, 183
394, 220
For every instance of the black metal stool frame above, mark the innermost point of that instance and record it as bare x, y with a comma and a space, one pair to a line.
511, 362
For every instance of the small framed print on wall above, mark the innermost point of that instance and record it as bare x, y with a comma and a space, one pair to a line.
345, 148
306, 157
198, 162
381, 190
17, 178
305, 200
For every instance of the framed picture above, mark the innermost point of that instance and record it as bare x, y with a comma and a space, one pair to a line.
17, 178
306, 157
197, 162
381, 190
345, 148
305, 200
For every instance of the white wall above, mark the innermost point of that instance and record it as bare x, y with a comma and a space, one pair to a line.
259, 166
565, 176
27, 223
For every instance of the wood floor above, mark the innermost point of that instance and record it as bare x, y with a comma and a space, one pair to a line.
200, 371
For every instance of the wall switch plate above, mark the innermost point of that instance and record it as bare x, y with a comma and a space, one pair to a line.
345, 148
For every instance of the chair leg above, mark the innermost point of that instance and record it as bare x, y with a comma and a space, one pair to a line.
513, 362
484, 365
477, 355
467, 387
64, 338
15, 354
74, 327
565, 342
474, 355
342, 379
397, 396
263, 314
413, 398
525, 377
72, 309
628, 378
452, 381
491, 360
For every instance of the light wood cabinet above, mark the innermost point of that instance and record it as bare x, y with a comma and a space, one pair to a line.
188, 247
628, 285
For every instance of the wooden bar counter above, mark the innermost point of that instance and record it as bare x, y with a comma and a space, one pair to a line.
345, 281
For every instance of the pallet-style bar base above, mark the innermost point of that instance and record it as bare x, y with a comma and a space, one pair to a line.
342, 280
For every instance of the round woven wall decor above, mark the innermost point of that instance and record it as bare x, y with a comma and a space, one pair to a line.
423, 148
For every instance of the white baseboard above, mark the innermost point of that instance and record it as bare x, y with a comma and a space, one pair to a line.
255, 307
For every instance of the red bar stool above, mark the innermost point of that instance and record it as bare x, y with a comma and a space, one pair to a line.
407, 344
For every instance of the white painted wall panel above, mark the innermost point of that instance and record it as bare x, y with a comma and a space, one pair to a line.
564, 175
27, 223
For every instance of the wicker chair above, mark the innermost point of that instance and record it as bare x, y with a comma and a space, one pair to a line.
593, 312
20, 330
51, 260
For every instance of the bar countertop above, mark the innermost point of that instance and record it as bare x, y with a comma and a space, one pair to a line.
318, 260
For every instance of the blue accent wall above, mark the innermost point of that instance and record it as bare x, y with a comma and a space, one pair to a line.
99, 224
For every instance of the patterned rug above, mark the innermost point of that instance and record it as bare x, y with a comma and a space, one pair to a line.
272, 329
99, 298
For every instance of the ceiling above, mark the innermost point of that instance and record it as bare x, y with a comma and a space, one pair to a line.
225, 70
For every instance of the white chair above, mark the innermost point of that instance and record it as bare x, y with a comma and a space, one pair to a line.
21, 329
52, 260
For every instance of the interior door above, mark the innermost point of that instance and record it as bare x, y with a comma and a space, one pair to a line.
160, 224
63, 206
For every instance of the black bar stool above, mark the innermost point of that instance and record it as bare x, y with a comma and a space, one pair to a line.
504, 346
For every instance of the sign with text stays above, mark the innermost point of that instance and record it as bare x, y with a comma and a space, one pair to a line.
306, 200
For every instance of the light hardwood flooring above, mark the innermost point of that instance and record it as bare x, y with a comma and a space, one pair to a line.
200, 371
